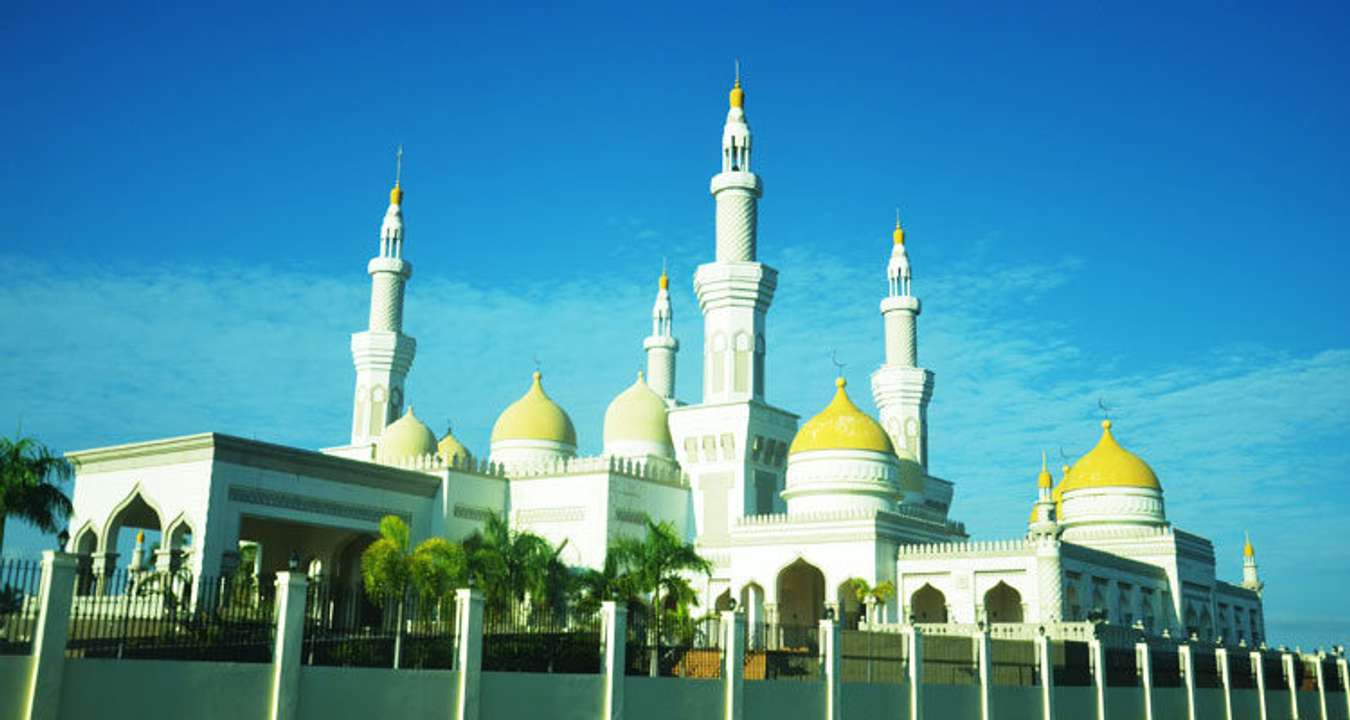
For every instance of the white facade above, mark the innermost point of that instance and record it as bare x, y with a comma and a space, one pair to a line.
786, 530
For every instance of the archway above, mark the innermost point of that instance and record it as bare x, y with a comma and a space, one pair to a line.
801, 594
178, 543
928, 605
1003, 604
752, 604
133, 516
850, 609
84, 546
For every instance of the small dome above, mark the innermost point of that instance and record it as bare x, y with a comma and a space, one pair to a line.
1109, 465
406, 437
452, 450
841, 426
535, 417
637, 415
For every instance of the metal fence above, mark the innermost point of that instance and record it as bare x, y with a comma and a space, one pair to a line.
950, 660
521, 638
1206, 672
1013, 662
1331, 675
1166, 665
19, 583
1072, 663
782, 652
172, 616
872, 657
1273, 668
1122, 667
692, 649
1240, 674
345, 628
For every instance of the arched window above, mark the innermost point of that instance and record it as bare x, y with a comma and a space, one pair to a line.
928, 605
1003, 604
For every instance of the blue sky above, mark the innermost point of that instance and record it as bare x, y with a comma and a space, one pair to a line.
1144, 204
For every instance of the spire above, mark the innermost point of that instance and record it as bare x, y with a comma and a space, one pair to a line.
737, 98
1247, 550
391, 230
1045, 480
1251, 577
898, 237
661, 345
898, 270
736, 132
396, 195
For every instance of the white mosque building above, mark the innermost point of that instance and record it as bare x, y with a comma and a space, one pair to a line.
787, 512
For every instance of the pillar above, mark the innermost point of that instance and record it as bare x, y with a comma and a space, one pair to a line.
1321, 688
984, 646
1287, 661
614, 624
829, 650
1047, 663
1221, 657
1344, 670
469, 654
1188, 677
1259, 664
57, 593
1099, 675
1144, 659
914, 639
733, 672
290, 639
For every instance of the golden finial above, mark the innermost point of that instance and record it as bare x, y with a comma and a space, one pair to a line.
396, 195
140, 537
1044, 480
1247, 549
899, 235
664, 281
737, 94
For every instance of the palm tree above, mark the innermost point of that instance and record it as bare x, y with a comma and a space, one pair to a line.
389, 570
509, 564
611, 582
872, 595
658, 564
28, 473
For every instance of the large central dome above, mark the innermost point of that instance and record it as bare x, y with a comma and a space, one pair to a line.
841, 426
1110, 465
535, 417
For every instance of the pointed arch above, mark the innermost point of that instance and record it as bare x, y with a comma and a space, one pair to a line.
177, 532
85, 540
136, 510
928, 605
800, 593
1003, 604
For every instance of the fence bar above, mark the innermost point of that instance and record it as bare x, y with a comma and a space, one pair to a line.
1187, 655
1259, 663
1097, 653
1047, 669
614, 638
733, 669
829, 648
1290, 679
1321, 688
469, 656
1225, 677
915, 640
985, 648
290, 639
1144, 661
53, 628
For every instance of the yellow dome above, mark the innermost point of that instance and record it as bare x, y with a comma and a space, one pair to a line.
841, 426
451, 449
535, 417
406, 437
1109, 465
638, 414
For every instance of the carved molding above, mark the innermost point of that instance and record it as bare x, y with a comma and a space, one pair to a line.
289, 501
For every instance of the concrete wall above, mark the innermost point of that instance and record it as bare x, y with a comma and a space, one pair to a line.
947, 702
662, 698
14, 670
1246, 704
1209, 704
327, 693
528, 695
149, 689
1075, 702
1125, 703
1019, 703
875, 700
1170, 702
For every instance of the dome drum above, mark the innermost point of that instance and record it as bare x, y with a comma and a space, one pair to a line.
829, 480
1113, 506
525, 453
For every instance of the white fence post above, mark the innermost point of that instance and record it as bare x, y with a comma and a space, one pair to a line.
1221, 657
615, 628
1143, 657
1047, 662
1321, 687
914, 638
985, 647
290, 639
1258, 662
1287, 662
829, 649
733, 670
469, 655
1187, 657
56, 594
1344, 669
1098, 652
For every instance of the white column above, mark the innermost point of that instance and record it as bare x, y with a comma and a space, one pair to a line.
614, 621
1321, 689
1187, 657
290, 640
1259, 664
57, 593
733, 672
1344, 670
985, 647
829, 649
469, 658
915, 641
1099, 675
1221, 657
1287, 661
1047, 662
1144, 659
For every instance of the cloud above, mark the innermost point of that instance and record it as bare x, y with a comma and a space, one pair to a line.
1247, 437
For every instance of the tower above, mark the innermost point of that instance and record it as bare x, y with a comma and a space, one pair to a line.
1250, 578
661, 346
733, 444
734, 291
382, 353
900, 387
1044, 537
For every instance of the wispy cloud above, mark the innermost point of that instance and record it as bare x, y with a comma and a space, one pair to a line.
1242, 437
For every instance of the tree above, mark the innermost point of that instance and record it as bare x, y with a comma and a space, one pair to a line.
389, 570
509, 564
28, 476
658, 564
611, 582
872, 595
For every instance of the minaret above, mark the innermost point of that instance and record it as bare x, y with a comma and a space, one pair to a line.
661, 346
1044, 537
1043, 512
900, 387
383, 354
735, 291
1250, 579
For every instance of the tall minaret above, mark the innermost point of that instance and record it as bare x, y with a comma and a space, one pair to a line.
900, 387
383, 354
661, 346
1250, 579
735, 291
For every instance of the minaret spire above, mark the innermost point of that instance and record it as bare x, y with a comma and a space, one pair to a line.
382, 353
900, 387
1251, 578
661, 346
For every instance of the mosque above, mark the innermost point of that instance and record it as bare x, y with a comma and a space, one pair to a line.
787, 513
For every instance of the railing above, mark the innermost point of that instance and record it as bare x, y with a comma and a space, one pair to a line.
682, 649
1166, 666
1122, 667
1013, 662
1206, 672
1240, 674
172, 616
345, 628
950, 660
1072, 664
520, 638
873, 657
1331, 674
782, 652
19, 583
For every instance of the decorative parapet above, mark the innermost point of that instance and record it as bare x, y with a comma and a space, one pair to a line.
900, 514
967, 548
653, 470
433, 463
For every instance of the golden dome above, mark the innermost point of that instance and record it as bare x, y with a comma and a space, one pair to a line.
535, 417
406, 437
737, 97
637, 414
452, 450
841, 426
1109, 465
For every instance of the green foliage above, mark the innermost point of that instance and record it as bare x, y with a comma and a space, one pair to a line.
28, 476
507, 564
659, 565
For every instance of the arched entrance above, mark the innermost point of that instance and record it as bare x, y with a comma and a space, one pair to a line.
1003, 604
84, 546
928, 605
801, 594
